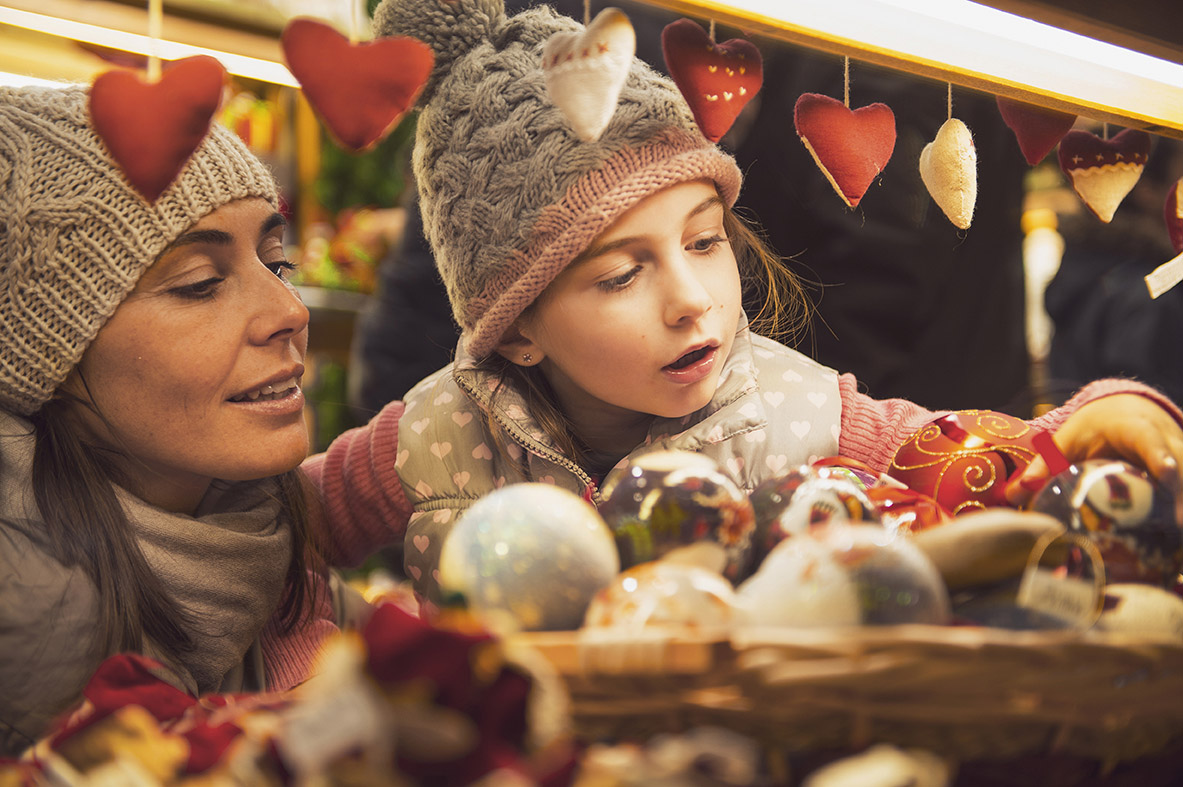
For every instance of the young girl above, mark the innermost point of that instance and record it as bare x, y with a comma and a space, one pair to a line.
598, 285
150, 423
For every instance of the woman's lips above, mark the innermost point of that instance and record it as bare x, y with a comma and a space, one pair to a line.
292, 401
696, 370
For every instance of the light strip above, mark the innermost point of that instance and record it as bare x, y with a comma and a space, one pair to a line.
8, 79
242, 65
972, 45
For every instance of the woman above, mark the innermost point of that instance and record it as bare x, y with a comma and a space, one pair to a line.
150, 423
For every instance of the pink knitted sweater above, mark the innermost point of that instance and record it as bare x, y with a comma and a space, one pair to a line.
363, 507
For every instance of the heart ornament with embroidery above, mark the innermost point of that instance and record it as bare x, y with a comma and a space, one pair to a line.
152, 128
585, 71
1103, 171
850, 146
717, 80
949, 169
1036, 129
359, 91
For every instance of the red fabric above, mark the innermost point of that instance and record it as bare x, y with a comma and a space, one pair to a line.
851, 147
151, 129
404, 650
717, 80
360, 91
1037, 129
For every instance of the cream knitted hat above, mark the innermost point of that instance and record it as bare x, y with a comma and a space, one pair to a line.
509, 193
75, 236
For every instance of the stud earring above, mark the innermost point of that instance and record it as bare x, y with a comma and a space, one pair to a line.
527, 358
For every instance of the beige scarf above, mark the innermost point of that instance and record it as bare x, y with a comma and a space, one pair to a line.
225, 566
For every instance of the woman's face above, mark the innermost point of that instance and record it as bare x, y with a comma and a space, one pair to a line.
197, 374
642, 322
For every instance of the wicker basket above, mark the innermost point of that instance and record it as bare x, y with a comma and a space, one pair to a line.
964, 693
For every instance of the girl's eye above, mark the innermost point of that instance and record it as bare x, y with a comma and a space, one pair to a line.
283, 269
198, 291
621, 281
707, 244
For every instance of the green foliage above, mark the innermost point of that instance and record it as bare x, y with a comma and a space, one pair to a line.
375, 178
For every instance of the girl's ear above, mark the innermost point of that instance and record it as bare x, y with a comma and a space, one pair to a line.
516, 348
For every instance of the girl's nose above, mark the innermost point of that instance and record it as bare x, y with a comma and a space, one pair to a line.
687, 296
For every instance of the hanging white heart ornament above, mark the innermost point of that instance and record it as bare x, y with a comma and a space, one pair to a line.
949, 169
585, 71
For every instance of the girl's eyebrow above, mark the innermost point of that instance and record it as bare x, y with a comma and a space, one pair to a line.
597, 250
223, 238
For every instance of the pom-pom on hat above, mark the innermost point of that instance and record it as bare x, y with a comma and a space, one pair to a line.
509, 193
75, 236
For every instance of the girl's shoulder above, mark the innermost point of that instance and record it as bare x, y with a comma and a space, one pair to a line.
769, 354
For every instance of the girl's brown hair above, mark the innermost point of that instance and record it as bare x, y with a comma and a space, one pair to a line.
85, 526
783, 313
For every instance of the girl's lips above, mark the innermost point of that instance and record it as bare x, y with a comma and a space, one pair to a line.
292, 401
694, 372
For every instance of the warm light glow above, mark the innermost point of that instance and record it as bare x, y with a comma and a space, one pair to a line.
972, 45
252, 67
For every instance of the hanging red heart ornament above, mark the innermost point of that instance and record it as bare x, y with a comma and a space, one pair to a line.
850, 146
359, 91
1103, 171
717, 80
1037, 129
151, 129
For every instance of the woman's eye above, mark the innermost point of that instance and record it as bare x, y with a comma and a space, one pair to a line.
621, 281
707, 244
198, 291
283, 269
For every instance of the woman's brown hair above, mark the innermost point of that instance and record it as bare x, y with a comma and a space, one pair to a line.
84, 525
783, 313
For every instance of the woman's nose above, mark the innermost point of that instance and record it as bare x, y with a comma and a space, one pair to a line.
281, 313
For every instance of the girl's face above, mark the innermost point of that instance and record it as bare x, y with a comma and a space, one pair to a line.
196, 375
642, 322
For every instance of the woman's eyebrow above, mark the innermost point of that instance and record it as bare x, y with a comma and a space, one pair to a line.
223, 238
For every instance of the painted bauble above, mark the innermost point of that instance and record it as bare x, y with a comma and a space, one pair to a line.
661, 594
529, 556
803, 499
664, 500
845, 574
1124, 512
800, 585
963, 460
905, 510
1142, 609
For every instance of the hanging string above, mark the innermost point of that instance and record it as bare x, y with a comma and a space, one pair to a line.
950, 101
155, 33
354, 20
586, 12
712, 31
846, 81
1105, 131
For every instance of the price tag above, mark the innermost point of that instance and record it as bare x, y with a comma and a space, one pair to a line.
1064, 578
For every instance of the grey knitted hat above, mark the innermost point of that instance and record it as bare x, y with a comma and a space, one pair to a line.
509, 193
75, 236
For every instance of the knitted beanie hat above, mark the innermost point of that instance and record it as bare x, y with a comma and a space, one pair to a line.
75, 236
509, 193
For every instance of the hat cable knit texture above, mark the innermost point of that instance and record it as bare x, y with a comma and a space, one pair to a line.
509, 193
75, 236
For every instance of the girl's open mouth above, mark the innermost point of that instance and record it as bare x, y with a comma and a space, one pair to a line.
690, 358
